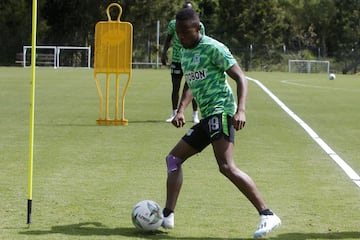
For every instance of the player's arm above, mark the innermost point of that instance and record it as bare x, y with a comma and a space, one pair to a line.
164, 58
186, 98
238, 75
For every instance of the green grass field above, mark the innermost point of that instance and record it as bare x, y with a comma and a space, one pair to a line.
88, 177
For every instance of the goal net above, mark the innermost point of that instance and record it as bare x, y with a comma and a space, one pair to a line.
309, 66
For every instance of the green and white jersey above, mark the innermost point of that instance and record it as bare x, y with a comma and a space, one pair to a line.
171, 30
204, 69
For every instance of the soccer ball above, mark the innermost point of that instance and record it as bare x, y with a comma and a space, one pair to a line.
332, 76
147, 216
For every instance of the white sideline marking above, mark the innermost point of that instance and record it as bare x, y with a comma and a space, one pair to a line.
315, 86
344, 166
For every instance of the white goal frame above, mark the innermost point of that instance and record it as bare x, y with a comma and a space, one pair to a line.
308, 66
25, 48
57, 51
59, 48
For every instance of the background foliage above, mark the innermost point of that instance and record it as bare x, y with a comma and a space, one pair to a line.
260, 33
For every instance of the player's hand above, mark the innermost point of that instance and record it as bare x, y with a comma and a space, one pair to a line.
179, 120
239, 120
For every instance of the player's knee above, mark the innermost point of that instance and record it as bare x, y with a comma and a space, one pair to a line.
225, 169
172, 163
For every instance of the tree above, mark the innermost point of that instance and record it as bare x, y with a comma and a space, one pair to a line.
266, 25
15, 25
311, 22
344, 39
252, 23
208, 10
69, 22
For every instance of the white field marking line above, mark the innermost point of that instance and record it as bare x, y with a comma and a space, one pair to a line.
343, 165
316, 86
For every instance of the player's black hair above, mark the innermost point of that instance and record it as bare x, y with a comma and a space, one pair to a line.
187, 14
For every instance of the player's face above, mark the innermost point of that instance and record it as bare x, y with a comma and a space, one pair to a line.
188, 34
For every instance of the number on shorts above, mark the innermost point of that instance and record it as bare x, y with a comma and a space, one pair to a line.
214, 124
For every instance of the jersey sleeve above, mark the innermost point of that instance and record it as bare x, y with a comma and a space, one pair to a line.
171, 28
223, 58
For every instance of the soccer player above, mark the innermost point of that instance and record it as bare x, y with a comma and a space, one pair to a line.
176, 71
206, 63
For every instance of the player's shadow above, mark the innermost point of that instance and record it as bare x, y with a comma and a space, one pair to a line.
84, 229
98, 229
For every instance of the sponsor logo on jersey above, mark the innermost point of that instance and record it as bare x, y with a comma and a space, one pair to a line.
196, 75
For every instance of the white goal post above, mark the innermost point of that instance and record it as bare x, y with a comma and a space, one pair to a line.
61, 49
48, 58
50, 55
309, 66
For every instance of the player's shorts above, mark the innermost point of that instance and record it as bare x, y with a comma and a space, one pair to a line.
176, 68
210, 129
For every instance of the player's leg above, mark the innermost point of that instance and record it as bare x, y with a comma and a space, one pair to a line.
195, 114
222, 135
223, 146
174, 160
223, 150
176, 76
194, 105
176, 83
194, 141
177, 156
